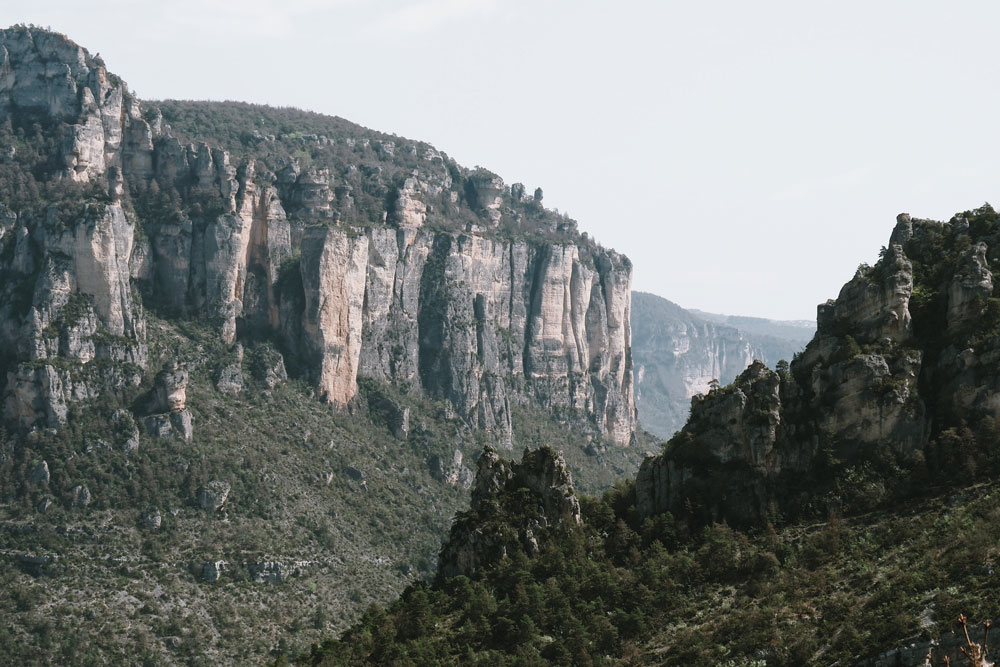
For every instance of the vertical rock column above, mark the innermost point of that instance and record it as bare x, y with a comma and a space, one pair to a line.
334, 268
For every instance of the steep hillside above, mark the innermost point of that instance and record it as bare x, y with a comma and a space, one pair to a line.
842, 510
678, 353
250, 355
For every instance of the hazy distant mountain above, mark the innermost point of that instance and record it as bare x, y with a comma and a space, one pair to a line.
794, 330
678, 352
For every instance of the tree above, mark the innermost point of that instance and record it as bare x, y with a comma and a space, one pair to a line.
538, 194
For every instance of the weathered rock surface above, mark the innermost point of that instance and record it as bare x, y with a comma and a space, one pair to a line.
126, 432
81, 496
170, 425
152, 520
213, 495
451, 471
212, 571
970, 288
859, 403
230, 379
875, 304
169, 390
81, 315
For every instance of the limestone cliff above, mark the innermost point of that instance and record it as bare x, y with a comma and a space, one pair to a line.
898, 383
333, 255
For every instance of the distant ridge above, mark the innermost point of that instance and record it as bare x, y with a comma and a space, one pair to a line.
677, 352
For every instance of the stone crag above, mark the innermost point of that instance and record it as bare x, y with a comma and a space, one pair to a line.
901, 359
514, 504
469, 316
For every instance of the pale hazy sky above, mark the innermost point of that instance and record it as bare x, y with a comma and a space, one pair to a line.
746, 155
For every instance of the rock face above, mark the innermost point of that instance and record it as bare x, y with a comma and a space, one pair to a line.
80, 314
904, 357
39, 474
213, 495
451, 471
678, 354
481, 322
169, 390
167, 403
267, 571
513, 505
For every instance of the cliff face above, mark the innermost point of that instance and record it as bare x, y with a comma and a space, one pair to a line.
899, 382
678, 354
263, 249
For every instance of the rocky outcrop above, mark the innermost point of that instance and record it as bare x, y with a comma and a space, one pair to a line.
267, 571
900, 359
169, 389
125, 431
213, 495
875, 304
212, 571
81, 496
39, 474
167, 403
485, 192
410, 210
78, 333
46, 73
736, 428
513, 506
152, 520
970, 288
451, 471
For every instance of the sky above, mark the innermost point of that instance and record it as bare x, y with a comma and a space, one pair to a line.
746, 156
